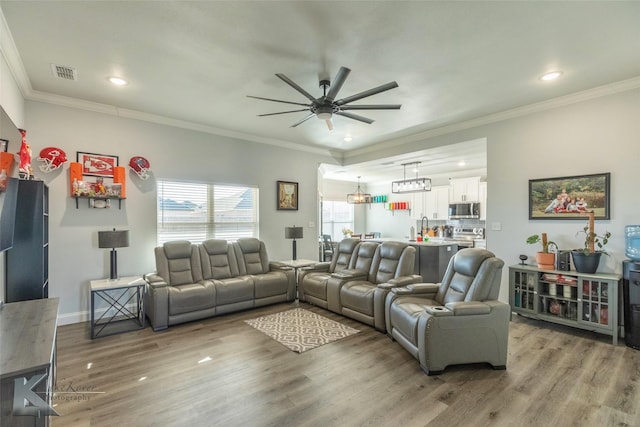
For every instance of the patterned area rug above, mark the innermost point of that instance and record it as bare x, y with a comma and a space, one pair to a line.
300, 330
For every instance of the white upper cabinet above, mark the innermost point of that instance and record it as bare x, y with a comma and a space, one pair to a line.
464, 190
437, 203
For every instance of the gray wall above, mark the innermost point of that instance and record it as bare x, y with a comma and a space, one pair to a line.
591, 136
173, 153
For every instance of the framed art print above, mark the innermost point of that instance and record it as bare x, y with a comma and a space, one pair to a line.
570, 197
97, 164
287, 196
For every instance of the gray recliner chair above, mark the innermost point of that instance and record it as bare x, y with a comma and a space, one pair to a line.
458, 321
312, 280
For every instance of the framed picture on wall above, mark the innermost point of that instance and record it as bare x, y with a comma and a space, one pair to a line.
570, 197
287, 196
4, 145
97, 164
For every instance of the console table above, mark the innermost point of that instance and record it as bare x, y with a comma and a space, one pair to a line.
28, 350
124, 309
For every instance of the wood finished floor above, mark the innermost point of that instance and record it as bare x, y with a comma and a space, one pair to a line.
555, 376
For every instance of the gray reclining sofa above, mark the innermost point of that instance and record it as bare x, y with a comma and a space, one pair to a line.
195, 281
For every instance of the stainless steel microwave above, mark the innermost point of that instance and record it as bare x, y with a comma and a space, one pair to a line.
464, 210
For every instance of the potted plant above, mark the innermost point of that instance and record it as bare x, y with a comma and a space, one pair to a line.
545, 259
587, 258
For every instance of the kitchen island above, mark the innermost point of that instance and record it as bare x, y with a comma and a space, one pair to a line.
432, 256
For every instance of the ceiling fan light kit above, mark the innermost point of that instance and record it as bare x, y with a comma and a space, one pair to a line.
411, 185
326, 106
359, 197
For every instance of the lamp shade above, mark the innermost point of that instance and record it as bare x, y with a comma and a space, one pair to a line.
113, 239
293, 232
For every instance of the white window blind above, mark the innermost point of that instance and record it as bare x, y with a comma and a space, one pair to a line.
199, 211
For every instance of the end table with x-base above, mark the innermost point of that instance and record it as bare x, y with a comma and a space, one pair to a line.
124, 308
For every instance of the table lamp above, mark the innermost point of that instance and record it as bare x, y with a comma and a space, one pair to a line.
293, 233
112, 240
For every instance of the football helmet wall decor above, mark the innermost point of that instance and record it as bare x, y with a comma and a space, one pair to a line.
52, 158
140, 166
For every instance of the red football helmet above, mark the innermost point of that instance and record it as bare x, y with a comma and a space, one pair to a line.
52, 158
140, 166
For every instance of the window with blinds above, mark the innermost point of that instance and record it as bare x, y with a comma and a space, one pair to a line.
199, 211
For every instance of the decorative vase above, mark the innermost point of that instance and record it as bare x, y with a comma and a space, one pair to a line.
546, 260
586, 263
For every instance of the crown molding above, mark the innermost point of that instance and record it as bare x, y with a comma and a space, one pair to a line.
597, 92
12, 57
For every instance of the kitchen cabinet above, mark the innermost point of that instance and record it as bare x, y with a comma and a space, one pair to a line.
464, 190
436, 203
432, 260
433, 204
482, 193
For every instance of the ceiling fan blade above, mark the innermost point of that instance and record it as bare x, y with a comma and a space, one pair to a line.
366, 93
276, 100
329, 124
291, 83
354, 117
282, 112
303, 120
371, 107
338, 81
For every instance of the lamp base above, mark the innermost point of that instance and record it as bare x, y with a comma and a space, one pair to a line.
113, 273
294, 250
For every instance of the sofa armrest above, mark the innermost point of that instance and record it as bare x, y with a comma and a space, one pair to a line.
417, 289
321, 266
278, 266
155, 281
156, 301
439, 311
350, 274
468, 308
405, 280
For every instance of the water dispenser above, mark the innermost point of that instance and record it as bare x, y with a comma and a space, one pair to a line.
632, 242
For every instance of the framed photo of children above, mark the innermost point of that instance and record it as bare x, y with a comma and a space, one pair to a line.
570, 197
97, 164
287, 196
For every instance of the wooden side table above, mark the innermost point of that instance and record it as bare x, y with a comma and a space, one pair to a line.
124, 311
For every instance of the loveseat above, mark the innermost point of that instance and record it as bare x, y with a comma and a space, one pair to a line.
358, 279
195, 281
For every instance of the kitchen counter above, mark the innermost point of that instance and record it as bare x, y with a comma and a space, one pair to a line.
433, 241
432, 256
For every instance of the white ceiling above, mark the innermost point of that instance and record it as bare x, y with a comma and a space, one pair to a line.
194, 63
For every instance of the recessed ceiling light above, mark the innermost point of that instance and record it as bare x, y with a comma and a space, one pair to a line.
462, 163
348, 138
118, 81
551, 76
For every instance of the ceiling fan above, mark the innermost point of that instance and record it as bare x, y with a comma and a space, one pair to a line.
326, 106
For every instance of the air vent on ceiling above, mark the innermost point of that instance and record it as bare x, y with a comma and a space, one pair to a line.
64, 72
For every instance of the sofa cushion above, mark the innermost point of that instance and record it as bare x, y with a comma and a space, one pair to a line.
218, 260
315, 284
358, 295
191, 297
270, 284
235, 289
252, 256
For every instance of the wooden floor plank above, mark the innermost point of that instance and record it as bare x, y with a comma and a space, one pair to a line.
555, 376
